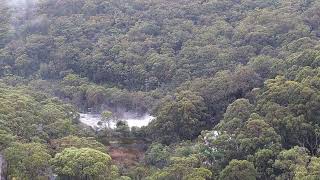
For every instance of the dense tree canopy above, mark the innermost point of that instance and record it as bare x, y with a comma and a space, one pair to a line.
84, 162
234, 86
33, 116
27, 161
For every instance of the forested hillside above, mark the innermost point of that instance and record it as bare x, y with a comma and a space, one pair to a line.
234, 86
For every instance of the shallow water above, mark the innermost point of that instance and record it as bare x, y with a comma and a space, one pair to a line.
132, 120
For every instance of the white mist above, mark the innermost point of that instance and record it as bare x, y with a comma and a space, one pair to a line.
133, 120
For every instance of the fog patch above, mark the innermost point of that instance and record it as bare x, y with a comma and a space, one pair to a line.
20, 10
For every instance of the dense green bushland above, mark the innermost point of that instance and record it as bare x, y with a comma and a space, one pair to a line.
234, 84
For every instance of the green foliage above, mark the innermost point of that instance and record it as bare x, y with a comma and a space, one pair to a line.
291, 107
181, 118
185, 168
78, 142
83, 162
157, 155
148, 45
27, 161
123, 129
236, 115
198, 66
263, 162
311, 171
5, 139
290, 161
85, 94
239, 135
282, 114
238, 169
30, 115
106, 119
